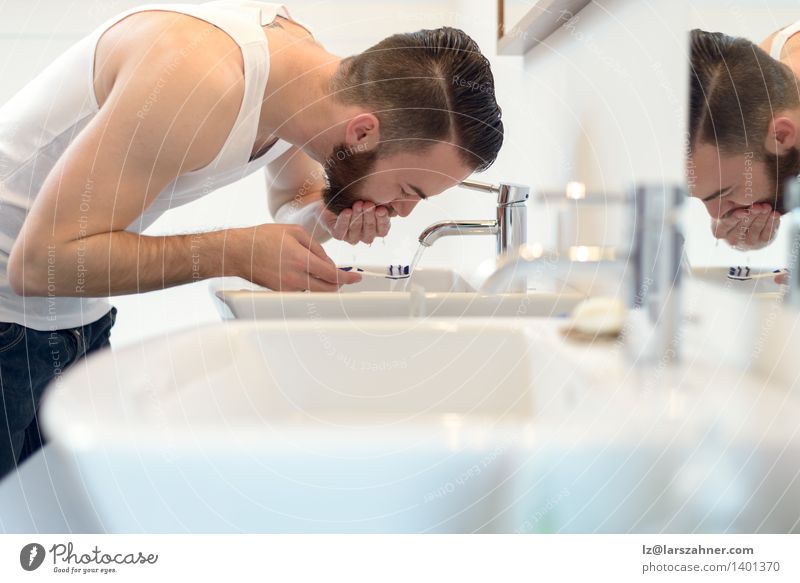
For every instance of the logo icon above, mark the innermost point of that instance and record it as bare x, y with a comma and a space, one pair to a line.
31, 556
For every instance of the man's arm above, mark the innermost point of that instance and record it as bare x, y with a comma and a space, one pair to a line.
295, 184
74, 243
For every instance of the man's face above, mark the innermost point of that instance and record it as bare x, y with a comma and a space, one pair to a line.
727, 183
396, 181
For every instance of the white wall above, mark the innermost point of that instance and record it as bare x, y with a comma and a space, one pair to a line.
602, 101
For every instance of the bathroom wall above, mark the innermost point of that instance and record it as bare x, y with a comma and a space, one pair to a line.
601, 101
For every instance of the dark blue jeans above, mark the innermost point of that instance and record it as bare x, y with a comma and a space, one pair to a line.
29, 360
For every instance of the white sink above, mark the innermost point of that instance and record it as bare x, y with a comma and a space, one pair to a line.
432, 292
431, 279
413, 425
261, 305
313, 426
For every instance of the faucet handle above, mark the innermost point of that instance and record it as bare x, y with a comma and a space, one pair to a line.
507, 192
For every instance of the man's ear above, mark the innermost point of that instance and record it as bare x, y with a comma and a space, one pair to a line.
781, 136
362, 132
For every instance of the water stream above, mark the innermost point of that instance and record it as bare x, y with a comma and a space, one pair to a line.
413, 266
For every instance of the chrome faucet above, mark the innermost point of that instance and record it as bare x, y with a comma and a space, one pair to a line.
510, 227
651, 267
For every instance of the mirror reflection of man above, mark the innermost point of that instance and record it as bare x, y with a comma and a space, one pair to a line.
744, 120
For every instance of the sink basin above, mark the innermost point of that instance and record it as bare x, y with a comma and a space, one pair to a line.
260, 305
431, 279
413, 425
313, 426
433, 292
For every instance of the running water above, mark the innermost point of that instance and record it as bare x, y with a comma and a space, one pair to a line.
413, 266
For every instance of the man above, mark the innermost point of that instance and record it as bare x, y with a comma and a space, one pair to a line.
158, 107
744, 119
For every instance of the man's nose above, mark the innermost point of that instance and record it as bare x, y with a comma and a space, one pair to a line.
404, 207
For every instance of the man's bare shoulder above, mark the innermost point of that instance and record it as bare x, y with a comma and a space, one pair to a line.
766, 44
161, 43
181, 77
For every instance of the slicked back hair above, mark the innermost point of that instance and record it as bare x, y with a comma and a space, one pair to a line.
427, 87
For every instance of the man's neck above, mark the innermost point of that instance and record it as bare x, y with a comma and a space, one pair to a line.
297, 105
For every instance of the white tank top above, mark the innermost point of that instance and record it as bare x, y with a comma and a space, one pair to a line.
779, 40
42, 119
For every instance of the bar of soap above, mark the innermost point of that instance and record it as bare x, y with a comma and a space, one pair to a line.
599, 317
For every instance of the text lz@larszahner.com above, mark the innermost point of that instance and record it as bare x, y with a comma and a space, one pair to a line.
65, 554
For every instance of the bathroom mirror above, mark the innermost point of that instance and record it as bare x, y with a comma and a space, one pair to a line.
744, 133
522, 24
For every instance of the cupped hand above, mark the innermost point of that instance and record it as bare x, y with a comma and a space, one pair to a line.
363, 222
748, 228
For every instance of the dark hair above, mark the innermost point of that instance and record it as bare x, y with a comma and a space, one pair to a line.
425, 87
735, 88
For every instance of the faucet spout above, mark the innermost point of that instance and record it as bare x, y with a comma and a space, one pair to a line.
510, 227
452, 228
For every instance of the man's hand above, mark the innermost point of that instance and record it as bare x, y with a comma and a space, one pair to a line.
361, 223
295, 184
749, 228
285, 258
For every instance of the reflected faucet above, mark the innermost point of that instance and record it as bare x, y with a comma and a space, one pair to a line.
510, 227
792, 198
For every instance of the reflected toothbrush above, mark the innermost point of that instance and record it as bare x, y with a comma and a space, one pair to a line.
743, 273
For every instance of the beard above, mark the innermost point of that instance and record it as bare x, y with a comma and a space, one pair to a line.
781, 169
345, 171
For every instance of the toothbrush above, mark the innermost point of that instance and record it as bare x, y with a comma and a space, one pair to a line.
392, 272
743, 273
